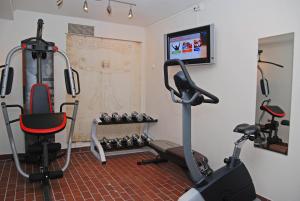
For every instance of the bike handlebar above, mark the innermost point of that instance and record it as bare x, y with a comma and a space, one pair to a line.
212, 98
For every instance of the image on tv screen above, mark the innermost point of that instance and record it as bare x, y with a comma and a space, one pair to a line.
193, 46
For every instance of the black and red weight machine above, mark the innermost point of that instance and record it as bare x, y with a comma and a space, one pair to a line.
38, 119
270, 128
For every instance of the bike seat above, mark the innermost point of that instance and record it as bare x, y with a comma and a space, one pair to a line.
246, 129
43, 124
273, 110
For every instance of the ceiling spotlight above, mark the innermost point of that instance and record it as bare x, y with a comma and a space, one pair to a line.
59, 3
85, 6
108, 9
130, 14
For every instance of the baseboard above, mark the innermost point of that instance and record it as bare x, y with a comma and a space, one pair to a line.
262, 198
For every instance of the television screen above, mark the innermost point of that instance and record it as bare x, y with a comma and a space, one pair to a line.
193, 46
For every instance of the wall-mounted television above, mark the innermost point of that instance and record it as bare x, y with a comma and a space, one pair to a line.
192, 46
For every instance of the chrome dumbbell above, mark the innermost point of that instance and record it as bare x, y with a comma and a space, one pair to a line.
113, 143
105, 117
124, 142
137, 140
137, 117
129, 141
102, 142
146, 117
119, 143
146, 139
116, 117
126, 117
106, 143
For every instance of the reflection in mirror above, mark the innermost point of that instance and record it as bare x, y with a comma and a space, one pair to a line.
274, 90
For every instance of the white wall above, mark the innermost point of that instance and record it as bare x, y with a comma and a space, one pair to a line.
7, 9
239, 25
55, 28
278, 49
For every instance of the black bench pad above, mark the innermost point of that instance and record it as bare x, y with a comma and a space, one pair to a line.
176, 155
43, 124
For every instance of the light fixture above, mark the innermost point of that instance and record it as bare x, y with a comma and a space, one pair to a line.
130, 14
59, 3
108, 9
85, 6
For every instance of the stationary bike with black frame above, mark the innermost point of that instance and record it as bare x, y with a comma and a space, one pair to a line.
41, 120
231, 182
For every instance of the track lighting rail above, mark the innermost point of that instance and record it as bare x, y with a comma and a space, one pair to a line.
124, 2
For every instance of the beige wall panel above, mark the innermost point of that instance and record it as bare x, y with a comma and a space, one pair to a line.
110, 82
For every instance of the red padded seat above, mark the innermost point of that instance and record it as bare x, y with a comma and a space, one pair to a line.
43, 124
273, 110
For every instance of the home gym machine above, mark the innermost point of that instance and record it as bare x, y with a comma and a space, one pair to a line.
37, 117
229, 183
271, 128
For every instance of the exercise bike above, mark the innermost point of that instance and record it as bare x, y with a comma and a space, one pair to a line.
229, 183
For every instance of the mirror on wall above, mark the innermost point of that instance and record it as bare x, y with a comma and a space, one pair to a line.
274, 91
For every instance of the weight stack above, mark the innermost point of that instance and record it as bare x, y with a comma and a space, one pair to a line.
29, 64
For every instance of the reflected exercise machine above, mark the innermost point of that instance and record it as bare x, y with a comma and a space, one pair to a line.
271, 128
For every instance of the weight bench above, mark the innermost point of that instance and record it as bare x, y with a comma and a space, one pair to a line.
272, 127
170, 151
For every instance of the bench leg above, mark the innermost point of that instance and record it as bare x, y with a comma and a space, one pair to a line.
157, 160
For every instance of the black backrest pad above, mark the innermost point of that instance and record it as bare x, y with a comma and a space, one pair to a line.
264, 85
40, 99
67, 80
2, 79
10, 79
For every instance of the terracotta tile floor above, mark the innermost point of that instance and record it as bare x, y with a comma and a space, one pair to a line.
86, 179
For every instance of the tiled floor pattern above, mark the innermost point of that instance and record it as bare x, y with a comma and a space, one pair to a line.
86, 179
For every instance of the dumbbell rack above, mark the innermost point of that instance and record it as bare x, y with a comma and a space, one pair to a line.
97, 149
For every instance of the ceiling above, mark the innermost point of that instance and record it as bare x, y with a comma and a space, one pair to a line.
145, 13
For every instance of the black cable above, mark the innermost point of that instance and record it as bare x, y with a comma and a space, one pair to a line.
267, 62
